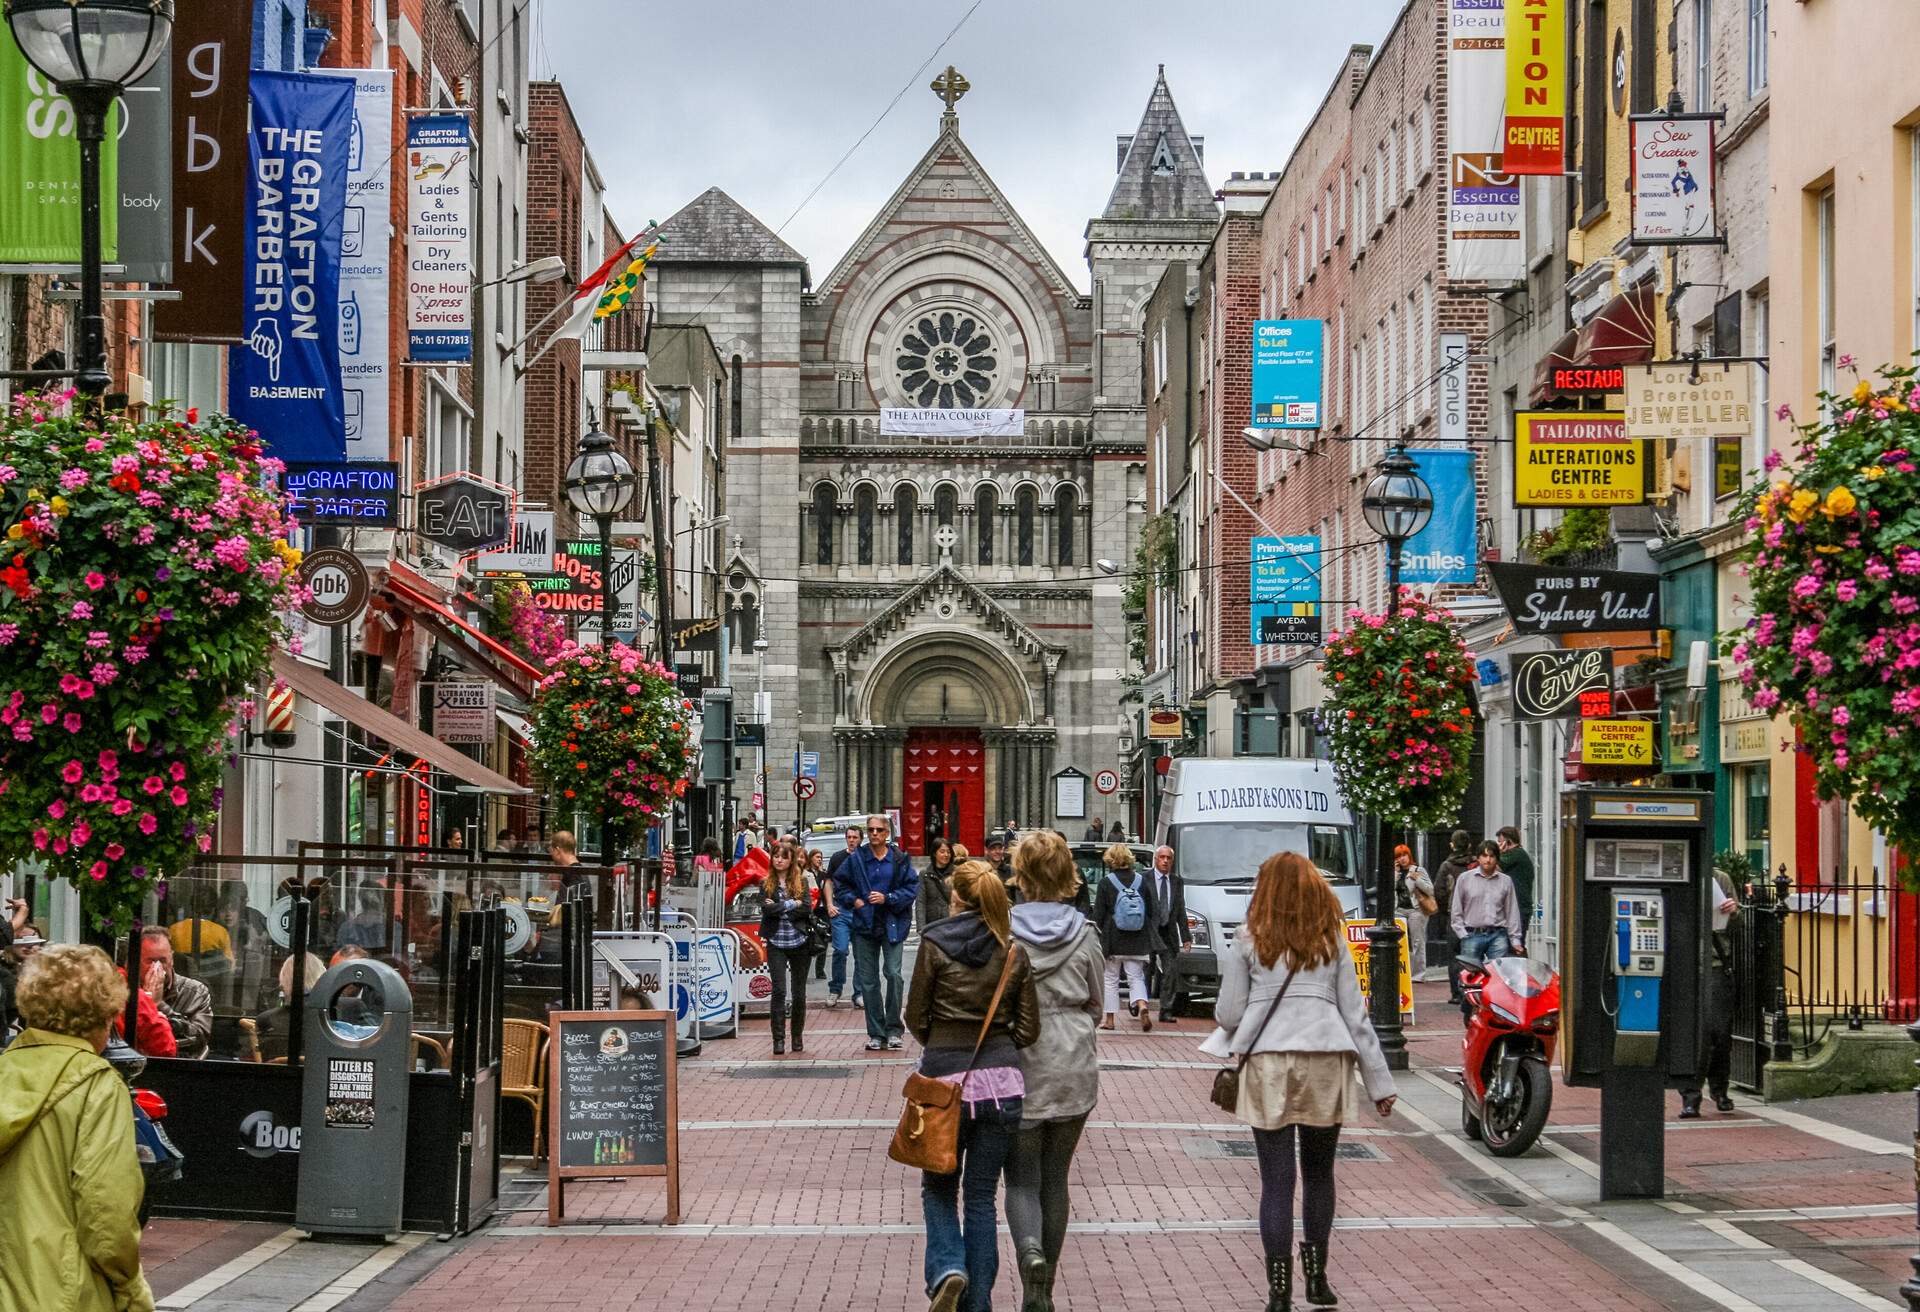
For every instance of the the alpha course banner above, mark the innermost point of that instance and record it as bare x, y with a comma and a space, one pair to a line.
439, 239
364, 266
910, 422
286, 374
40, 169
1446, 550
1536, 141
1483, 199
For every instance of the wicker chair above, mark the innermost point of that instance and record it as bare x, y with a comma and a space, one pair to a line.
434, 1051
523, 1072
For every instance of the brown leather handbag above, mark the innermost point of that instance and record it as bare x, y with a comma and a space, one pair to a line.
1225, 1093
928, 1136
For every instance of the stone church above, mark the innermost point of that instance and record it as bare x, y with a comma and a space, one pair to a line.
937, 628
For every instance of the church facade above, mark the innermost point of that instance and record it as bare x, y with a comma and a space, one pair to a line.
935, 622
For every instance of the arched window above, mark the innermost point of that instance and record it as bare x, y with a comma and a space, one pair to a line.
1023, 508
824, 506
946, 504
1065, 506
736, 399
985, 510
863, 508
905, 504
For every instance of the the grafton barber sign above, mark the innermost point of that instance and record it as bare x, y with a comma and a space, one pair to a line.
1549, 684
1260, 799
1549, 599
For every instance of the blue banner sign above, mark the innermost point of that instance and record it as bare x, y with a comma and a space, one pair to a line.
1286, 373
357, 493
286, 375
1284, 596
1447, 549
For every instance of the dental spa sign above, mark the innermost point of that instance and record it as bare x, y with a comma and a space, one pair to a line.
286, 374
1552, 599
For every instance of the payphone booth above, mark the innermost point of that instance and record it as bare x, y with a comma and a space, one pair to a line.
1636, 879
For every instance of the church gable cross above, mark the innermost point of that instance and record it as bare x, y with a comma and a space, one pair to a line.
950, 86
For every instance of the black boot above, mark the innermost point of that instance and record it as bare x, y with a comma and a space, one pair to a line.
1036, 1282
779, 1043
1313, 1272
1280, 1284
796, 1031
1689, 1106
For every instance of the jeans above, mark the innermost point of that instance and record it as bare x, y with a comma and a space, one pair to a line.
1037, 1185
842, 931
1275, 1151
962, 1221
786, 964
883, 1016
1483, 945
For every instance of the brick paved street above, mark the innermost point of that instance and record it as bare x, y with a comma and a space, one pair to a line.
788, 1198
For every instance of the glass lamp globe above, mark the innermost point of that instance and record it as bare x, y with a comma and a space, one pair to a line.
99, 41
1397, 503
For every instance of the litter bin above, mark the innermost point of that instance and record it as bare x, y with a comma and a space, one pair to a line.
353, 1107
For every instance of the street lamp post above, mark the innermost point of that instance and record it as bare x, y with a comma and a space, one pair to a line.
1396, 505
598, 484
91, 50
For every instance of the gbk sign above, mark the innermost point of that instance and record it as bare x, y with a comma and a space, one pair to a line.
464, 513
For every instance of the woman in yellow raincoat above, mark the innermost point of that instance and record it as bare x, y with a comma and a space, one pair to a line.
69, 1233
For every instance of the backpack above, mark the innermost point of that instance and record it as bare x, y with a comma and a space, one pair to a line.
1129, 907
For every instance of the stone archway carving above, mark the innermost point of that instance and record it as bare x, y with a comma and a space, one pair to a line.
995, 690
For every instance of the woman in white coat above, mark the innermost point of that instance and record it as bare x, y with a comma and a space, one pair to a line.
1290, 1000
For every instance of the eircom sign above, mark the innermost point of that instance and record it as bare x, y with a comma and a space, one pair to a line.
1447, 549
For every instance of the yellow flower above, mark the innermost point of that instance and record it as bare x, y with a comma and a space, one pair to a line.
1826, 549
289, 553
60, 506
1862, 393
1872, 472
1800, 508
1890, 402
16, 532
1840, 501
35, 494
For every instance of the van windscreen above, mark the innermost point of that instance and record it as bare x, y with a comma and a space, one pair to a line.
1232, 853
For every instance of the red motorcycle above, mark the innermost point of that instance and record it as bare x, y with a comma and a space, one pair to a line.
1505, 1083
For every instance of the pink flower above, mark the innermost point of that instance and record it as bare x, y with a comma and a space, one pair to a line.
82, 833
147, 823
177, 795
71, 722
73, 772
40, 839
1846, 589
122, 806
57, 809
153, 783
115, 851
95, 580
178, 771
1784, 412
1845, 361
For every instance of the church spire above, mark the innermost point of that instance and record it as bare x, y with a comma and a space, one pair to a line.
1162, 173
950, 86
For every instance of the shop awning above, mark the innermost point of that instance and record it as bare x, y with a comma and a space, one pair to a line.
1561, 355
516, 725
313, 684
491, 658
1621, 333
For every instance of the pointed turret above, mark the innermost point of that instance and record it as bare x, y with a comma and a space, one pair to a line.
714, 228
1162, 174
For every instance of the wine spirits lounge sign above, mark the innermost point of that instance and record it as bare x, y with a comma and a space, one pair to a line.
1549, 599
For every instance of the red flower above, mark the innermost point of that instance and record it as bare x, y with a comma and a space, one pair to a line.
16, 577
193, 414
125, 481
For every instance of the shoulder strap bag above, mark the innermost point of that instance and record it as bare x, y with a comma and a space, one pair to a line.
1226, 1083
928, 1136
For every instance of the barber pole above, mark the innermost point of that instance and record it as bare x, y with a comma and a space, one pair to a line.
280, 727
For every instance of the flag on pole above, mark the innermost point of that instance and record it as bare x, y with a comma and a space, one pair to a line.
590, 304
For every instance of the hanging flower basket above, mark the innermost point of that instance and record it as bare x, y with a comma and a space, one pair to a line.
144, 580
1833, 576
612, 736
1399, 716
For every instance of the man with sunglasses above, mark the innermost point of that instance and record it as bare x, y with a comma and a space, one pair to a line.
878, 886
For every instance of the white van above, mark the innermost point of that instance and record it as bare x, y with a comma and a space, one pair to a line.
1224, 816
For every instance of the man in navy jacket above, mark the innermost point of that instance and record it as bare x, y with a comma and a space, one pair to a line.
878, 886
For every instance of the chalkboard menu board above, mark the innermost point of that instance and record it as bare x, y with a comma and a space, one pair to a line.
612, 1101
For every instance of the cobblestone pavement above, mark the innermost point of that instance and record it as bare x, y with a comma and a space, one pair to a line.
789, 1200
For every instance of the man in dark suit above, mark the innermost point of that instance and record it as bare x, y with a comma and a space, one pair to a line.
1170, 930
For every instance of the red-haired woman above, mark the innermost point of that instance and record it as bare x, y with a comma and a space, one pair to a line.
1289, 997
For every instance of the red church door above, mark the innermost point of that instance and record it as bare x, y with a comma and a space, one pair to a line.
946, 789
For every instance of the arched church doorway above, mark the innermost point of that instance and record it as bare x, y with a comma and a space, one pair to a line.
946, 787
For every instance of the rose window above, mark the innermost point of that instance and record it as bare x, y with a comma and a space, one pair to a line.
946, 359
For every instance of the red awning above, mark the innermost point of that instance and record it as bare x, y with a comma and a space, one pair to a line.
1559, 356
313, 684
491, 659
1621, 333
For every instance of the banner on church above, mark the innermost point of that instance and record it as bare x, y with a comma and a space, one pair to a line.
439, 239
908, 422
1483, 199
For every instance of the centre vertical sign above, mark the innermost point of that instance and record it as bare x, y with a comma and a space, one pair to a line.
439, 239
1536, 140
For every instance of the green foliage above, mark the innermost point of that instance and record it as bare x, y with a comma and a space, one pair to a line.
1156, 564
1833, 575
1399, 715
1584, 528
146, 578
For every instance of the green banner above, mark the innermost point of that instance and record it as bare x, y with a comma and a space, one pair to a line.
40, 170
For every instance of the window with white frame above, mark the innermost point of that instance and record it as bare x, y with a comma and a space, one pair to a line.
1759, 314
1390, 363
1159, 357
1345, 193
1702, 55
1339, 357
1389, 167
1300, 250
1416, 333
1913, 230
1430, 332
1413, 151
1829, 346
1357, 401
1756, 46
1382, 363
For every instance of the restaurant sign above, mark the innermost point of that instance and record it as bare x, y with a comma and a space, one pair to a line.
1551, 599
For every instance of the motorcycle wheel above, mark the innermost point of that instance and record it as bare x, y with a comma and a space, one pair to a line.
1469, 1123
1512, 1134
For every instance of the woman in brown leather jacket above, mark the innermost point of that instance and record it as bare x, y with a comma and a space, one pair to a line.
955, 977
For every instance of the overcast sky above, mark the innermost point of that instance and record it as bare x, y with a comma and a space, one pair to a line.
761, 97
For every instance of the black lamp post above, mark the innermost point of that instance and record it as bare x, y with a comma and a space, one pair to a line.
599, 484
91, 50
1397, 505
